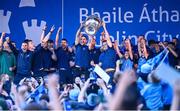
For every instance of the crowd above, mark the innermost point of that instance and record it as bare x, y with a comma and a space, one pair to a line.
56, 76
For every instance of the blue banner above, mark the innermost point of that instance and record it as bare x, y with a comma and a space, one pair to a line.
157, 19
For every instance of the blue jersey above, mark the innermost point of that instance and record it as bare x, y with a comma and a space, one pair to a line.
63, 58
126, 64
108, 58
82, 56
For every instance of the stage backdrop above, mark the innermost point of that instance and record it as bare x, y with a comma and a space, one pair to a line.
155, 19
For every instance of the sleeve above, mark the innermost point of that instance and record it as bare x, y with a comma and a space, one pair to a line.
15, 51
100, 58
78, 45
14, 60
38, 48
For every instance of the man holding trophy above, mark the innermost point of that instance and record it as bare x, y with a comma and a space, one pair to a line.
107, 58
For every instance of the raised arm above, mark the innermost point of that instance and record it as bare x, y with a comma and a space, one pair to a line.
78, 35
43, 33
130, 49
117, 49
16, 96
125, 81
81, 97
172, 51
14, 49
91, 42
144, 48
53, 92
107, 36
102, 85
46, 38
117, 66
57, 36
1, 40
169, 48
176, 97
139, 46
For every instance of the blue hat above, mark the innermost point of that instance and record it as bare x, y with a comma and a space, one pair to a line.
73, 94
93, 99
86, 36
146, 68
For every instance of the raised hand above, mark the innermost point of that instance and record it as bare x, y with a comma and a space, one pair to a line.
162, 45
44, 28
87, 83
140, 38
70, 49
103, 36
7, 39
92, 63
22, 81
103, 24
118, 62
81, 25
115, 44
52, 28
80, 34
51, 49
3, 34
59, 29
1, 39
143, 41
103, 33
128, 41
52, 81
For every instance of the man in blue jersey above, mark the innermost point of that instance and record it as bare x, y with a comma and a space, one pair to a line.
107, 58
63, 62
43, 56
82, 55
94, 51
24, 62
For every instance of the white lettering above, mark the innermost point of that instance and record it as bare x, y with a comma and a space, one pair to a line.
144, 14
161, 12
120, 18
95, 13
107, 17
175, 16
164, 36
158, 35
83, 13
114, 14
128, 17
154, 12
148, 33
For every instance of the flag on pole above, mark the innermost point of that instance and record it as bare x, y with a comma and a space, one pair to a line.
154, 62
167, 73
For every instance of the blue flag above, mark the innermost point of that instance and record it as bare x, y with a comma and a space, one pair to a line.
154, 62
161, 57
167, 73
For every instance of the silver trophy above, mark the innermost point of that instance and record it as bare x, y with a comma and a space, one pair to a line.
92, 24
